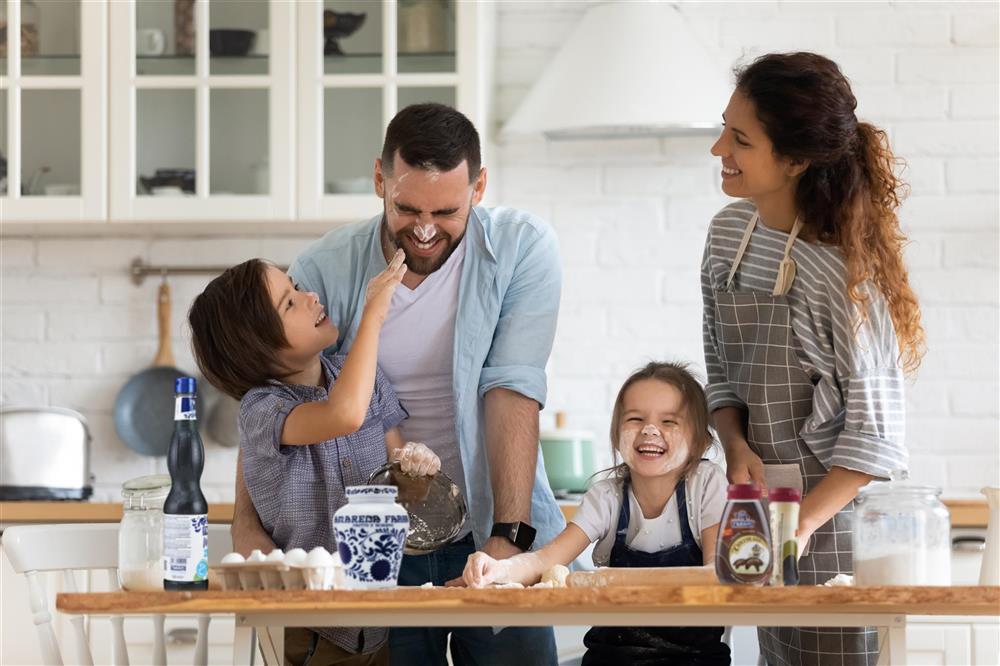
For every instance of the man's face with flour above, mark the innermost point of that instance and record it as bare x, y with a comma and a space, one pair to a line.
426, 210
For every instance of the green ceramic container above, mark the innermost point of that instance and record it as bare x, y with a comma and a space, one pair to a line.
569, 459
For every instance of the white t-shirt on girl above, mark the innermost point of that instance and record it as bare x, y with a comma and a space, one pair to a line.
597, 516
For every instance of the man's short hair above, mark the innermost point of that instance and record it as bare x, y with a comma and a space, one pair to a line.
432, 136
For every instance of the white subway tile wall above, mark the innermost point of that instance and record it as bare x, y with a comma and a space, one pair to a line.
632, 244
631, 217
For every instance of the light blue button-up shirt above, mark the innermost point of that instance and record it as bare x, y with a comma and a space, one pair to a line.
506, 321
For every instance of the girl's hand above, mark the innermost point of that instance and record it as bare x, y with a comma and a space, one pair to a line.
744, 466
481, 570
382, 286
417, 459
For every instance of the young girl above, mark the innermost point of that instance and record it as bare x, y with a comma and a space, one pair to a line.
660, 507
309, 425
809, 318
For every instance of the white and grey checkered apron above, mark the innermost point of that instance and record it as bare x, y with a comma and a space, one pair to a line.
757, 347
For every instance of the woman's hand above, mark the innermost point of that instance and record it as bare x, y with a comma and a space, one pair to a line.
378, 298
482, 570
744, 466
417, 459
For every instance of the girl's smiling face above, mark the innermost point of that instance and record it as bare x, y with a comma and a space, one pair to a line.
655, 433
308, 330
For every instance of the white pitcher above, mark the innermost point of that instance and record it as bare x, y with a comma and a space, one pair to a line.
989, 574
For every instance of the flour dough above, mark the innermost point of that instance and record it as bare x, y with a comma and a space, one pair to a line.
556, 576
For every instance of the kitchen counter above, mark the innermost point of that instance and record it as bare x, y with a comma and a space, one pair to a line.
695, 605
964, 512
33, 513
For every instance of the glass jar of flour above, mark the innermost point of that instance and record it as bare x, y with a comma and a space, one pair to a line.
901, 535
140, 534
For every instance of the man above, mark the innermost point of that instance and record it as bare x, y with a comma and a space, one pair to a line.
464, 345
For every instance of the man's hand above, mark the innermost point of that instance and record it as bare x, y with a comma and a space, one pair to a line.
417, 459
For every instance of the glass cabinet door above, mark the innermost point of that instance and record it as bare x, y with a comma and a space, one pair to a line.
201, 90
360, 61
52, 100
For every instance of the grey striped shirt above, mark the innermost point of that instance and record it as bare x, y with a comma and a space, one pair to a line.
297, 489
858, 407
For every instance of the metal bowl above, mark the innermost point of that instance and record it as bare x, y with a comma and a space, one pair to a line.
435, 505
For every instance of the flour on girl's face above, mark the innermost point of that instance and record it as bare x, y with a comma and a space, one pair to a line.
653, 451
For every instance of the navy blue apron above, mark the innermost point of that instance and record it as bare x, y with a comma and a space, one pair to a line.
696, 646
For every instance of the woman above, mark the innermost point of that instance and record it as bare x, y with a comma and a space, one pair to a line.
809, 320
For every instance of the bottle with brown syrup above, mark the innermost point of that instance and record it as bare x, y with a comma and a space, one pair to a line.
743, 549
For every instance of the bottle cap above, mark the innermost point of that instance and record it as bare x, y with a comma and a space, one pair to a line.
744, 491
784, 495
185, 385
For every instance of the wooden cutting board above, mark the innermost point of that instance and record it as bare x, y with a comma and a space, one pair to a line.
624, 577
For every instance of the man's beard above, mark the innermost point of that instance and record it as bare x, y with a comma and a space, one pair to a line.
419, 265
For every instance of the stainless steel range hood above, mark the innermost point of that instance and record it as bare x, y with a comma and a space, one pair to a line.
629, 69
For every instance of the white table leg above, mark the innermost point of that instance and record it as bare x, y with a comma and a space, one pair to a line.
272, 644
243, 642
892, 638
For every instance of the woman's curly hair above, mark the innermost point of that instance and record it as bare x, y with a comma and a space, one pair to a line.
850, 191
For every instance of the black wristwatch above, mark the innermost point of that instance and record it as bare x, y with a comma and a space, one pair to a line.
520, 534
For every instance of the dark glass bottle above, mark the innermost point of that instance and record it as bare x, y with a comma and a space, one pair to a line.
185, 511
743, 549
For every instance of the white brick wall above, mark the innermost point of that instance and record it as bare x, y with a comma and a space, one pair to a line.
631, 216
75, 329
926, 72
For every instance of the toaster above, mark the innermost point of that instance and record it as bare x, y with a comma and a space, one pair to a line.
45, 453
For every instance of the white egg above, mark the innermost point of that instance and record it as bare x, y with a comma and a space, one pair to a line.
233, 558
319, 557
295, 557
256, 556
276, 555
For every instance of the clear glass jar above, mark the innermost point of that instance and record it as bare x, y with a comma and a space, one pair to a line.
902, 535
140, 534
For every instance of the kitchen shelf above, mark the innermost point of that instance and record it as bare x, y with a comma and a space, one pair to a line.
184, 65
406, 63
50, 64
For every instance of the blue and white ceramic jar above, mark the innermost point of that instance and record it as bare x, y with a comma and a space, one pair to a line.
371, 531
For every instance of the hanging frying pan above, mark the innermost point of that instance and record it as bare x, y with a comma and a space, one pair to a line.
144, 408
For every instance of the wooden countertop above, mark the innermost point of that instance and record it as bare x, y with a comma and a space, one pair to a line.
979, 600
85, 512
964, 512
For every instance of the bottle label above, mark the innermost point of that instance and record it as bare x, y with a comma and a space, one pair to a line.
184, 408
749, 555
185, 548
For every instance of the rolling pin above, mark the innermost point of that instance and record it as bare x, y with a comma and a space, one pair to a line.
607, 576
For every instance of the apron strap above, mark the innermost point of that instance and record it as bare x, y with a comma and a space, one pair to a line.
743, 248
786, 269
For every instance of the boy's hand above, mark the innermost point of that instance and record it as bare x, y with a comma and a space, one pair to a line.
417, 460
382, 286
482, 570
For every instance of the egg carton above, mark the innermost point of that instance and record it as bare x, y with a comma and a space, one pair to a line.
312, 572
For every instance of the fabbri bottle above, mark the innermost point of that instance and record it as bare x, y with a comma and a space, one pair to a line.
185, 511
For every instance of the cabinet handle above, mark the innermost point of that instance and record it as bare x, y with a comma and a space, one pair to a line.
182, 636
970, 544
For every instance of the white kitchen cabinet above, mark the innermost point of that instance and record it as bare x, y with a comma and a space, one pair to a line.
405, 52
53, 111
224, 124
121, 90
952, 640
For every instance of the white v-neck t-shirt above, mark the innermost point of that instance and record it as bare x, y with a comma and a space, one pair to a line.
416, 351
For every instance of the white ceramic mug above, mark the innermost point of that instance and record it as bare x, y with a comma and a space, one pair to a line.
150, 42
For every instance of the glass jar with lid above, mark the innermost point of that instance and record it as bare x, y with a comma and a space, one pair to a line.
902, 535
140, 534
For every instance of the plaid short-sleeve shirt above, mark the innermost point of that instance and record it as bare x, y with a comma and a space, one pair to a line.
297, 489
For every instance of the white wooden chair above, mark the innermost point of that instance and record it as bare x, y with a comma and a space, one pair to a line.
34, 549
